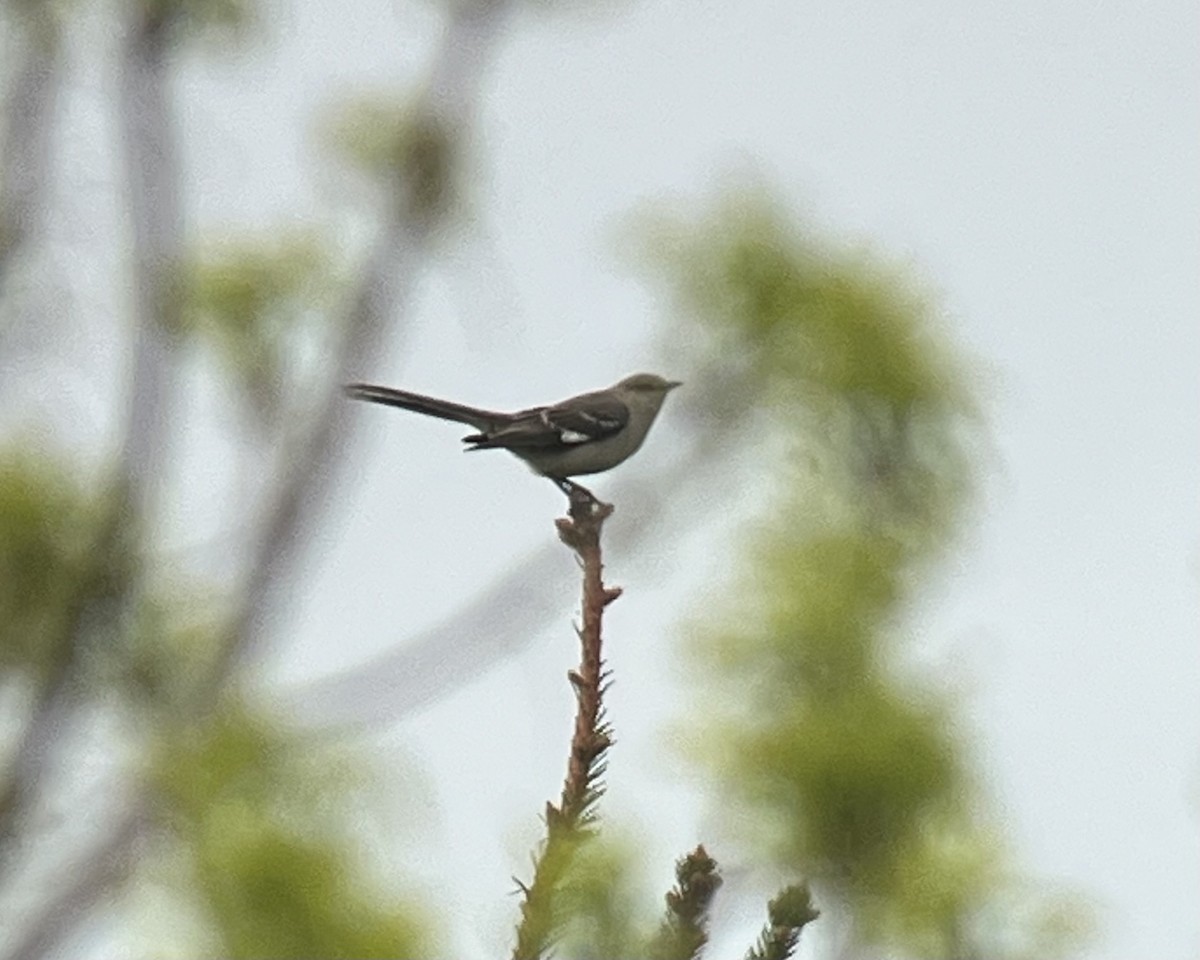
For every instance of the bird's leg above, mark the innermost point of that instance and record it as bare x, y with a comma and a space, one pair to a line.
579, 495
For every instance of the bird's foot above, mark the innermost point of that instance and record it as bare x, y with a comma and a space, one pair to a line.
581, 498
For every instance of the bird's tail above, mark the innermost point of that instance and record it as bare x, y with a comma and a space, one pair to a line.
484, 420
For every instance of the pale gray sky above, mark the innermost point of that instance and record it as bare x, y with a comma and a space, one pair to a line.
1034, 161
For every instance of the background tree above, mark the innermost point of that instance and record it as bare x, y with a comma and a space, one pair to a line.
154, 793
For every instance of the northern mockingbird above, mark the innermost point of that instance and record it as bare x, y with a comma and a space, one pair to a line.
590, 433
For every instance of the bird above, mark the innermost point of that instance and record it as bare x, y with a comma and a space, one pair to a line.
589, 433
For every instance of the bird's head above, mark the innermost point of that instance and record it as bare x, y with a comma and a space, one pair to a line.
645, 391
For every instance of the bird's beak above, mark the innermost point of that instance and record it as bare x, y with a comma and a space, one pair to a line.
672, 384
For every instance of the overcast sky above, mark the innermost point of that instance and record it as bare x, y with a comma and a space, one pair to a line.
1035, 162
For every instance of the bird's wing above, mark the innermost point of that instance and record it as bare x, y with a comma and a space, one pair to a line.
583, 419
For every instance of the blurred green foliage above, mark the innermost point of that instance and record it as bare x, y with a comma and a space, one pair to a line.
248, 299
43, 548
259, 832
845, 764
797, 314
601, 906
834, 353
255, 836
264, 823
399, 142
163, 661
50, 525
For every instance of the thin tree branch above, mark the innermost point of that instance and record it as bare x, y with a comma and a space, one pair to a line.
590, 738
567, 825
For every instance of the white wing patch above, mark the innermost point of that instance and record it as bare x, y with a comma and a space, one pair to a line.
586, 425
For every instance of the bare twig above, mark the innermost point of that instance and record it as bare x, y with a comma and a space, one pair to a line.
684, 932
567, 824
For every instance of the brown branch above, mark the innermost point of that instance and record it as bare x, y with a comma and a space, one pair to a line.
567, 825
591, 737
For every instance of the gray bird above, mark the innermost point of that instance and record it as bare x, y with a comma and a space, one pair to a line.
590, 433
